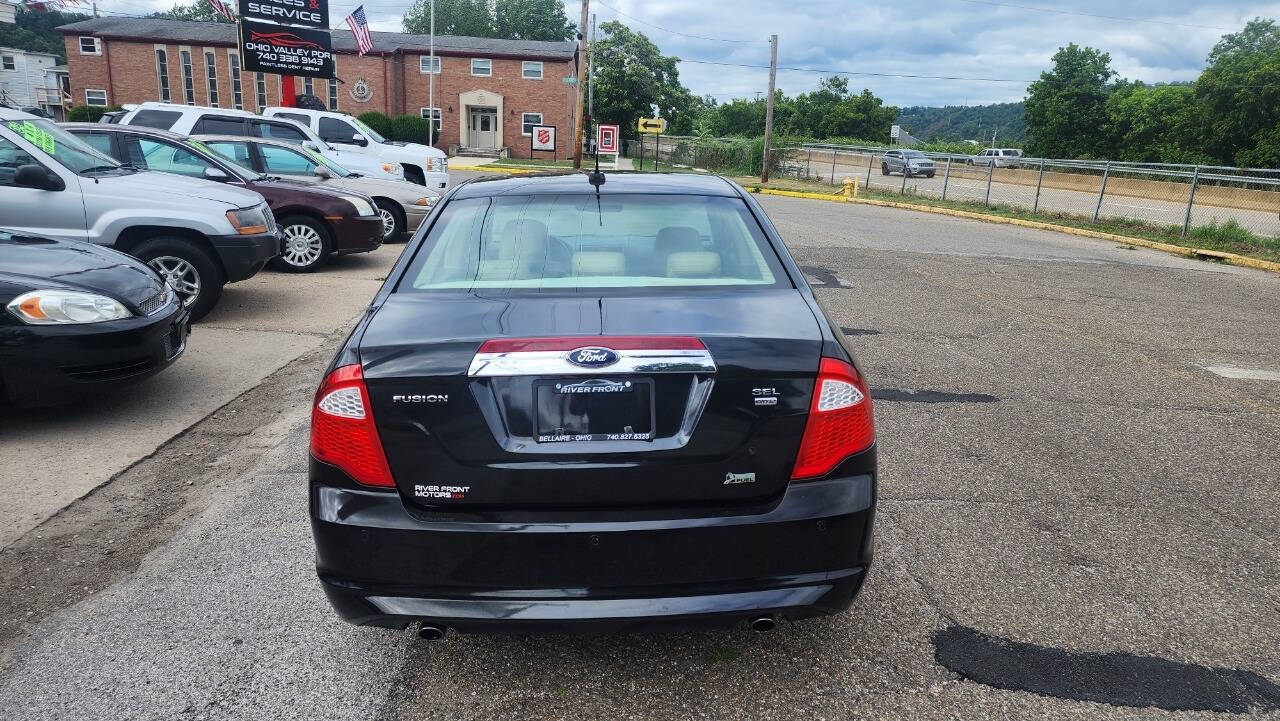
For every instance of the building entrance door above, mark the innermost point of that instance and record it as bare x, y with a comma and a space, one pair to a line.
483, 128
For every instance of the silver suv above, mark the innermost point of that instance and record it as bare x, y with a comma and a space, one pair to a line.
909, 162
998, 157
197, 234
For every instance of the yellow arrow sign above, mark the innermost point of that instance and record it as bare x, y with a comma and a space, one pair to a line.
651, 125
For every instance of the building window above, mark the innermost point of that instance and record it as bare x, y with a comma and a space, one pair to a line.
211, 69
531, 70
424, 64
237, 88
188, 83
260, 84
333, 94
95, 97
433, 114
481, 68
8, 62
162, 72
308, 87
527, 121
90, 46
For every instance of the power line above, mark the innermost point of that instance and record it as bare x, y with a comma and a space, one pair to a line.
675, 32
862, 73
1036, 8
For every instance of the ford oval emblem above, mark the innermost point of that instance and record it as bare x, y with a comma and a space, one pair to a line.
592, 357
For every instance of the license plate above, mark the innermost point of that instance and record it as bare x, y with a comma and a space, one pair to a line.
595, 409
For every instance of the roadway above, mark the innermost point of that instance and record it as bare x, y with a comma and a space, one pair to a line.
1058, 469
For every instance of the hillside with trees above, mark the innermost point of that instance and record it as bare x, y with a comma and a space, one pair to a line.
966, 122
34, 30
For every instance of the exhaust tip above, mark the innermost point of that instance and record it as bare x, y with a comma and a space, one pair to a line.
430, 633
763, 624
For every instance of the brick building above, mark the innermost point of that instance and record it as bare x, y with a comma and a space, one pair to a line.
489, 92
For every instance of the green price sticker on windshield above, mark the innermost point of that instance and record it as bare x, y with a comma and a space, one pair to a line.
34, 135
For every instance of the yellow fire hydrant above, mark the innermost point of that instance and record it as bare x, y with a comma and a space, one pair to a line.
849, 186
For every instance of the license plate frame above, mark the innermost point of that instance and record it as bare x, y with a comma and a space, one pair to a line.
577, 396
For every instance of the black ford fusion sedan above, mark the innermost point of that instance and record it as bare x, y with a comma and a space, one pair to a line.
592, 406
77, 317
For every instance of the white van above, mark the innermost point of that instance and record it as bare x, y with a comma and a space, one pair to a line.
422, 164
202, 120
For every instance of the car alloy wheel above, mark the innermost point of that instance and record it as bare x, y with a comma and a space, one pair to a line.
302, 246
388, 222
180, 275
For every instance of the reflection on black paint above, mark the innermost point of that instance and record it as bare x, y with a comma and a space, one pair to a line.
911, 395
1119, 679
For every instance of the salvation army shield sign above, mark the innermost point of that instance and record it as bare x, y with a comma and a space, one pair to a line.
544, 137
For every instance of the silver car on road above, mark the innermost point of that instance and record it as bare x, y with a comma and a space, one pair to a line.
909, 162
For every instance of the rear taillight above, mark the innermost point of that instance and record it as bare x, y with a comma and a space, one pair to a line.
840, 422
342, 429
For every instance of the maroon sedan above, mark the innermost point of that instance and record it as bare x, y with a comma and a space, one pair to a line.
315, 222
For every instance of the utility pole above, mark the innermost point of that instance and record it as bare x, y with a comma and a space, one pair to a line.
768, 107
431, 81
591, 71
581, 87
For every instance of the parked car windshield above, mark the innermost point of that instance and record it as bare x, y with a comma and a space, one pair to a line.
63, 147
244, 172
579, 241
912, 154
369, 132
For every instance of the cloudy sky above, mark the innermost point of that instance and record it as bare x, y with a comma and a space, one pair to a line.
1012, 40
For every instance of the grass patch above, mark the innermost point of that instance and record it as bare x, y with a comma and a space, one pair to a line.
529, 163
1229, 236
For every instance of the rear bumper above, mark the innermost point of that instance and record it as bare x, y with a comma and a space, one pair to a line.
383, 564
242, 256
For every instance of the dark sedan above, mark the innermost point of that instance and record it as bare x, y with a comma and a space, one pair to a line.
596, 406
79, 318
315, 223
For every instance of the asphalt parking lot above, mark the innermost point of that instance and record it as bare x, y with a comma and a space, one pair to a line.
1061, 476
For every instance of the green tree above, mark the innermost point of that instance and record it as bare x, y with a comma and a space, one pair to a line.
1239, 93
832, 111
1150, 124
510, 19
35, 31
1066, 109
532, 20
470, 18
633, 79
199, 10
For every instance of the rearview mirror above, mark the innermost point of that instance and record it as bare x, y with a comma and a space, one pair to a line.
36, 176
359, 139
216, 174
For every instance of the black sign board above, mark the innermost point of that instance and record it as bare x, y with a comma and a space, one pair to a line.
307, 13
286, 51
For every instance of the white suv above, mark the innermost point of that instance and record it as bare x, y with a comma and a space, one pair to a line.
202, 120
423, 164
998, 157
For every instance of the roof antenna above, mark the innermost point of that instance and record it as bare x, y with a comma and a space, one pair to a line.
596, 178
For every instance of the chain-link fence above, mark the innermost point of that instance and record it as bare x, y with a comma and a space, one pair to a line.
1183, 196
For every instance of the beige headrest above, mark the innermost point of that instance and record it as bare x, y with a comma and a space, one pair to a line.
599, 262
693, 264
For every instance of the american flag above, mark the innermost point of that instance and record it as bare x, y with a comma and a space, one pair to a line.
222, 9
359, 25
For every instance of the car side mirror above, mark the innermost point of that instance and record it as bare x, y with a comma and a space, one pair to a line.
310, 145
322, 172
36, 176
359, 139
216, 174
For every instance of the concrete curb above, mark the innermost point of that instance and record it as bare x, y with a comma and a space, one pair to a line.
1230, 258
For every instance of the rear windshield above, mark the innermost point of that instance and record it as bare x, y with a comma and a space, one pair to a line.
584, 241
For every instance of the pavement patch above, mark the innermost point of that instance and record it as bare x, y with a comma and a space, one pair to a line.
1117, 678
1252, 374
825, 277
858, 331
912, 395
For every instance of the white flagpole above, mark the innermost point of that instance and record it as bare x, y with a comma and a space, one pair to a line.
431, 81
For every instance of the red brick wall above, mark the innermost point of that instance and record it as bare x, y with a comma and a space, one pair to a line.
549, 96
397, 83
